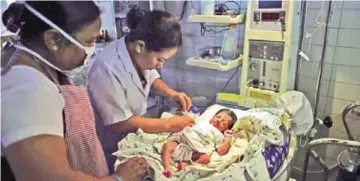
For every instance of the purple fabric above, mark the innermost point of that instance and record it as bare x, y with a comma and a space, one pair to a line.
274, 157
194, 109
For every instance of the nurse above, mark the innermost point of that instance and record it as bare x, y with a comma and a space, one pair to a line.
121, 76
47, 124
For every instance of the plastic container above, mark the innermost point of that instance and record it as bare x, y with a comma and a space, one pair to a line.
229, 45
208, 7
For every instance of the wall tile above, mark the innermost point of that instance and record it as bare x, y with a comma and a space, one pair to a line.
188, 41
314, 15
181, 64
201, 79
344, 91
187, 29
186, 87
314, 53
318, 36
186, 51
335, 106
310, 70
347, 56
232, 87
351, 4
322, 101
201, 90
349, 38
308, 86
171, 63
350, 19
316, 4
346, 74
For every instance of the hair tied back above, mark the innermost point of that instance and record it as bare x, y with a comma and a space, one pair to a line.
12, 17
134, 17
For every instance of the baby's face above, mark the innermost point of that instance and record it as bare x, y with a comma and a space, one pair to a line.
221, 121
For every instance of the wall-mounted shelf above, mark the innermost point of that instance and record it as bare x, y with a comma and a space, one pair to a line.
224, 19
204, 63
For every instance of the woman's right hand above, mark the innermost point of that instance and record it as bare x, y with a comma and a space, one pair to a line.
178, 123
132, 170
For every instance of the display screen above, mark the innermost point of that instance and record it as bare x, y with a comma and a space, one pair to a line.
270, 4
270, 16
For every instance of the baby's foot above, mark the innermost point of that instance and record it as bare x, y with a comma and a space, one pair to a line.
182, 165
167, 173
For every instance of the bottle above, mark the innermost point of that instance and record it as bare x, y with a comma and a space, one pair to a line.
229, 45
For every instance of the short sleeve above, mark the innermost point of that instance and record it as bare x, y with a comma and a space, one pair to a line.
107, 94
31, 106
153, 75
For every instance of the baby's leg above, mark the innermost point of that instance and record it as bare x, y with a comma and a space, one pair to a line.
168, 148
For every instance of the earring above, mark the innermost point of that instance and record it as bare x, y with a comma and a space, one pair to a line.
54, 48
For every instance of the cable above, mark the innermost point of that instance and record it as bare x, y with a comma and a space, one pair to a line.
226, 84
204, 28
237, 4
183, 10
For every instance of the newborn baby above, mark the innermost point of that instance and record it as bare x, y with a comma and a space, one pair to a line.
197, 143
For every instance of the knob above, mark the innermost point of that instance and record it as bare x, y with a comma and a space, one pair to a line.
328, 122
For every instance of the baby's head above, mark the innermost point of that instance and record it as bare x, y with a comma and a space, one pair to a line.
223, 120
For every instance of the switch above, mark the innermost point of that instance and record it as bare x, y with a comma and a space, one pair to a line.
256, 16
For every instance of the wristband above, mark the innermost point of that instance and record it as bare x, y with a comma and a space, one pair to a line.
116, 178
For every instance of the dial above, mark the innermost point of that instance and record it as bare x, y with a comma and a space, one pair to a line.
254, 66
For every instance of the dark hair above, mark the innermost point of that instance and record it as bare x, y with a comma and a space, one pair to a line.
158, 29
70, 16
231, 114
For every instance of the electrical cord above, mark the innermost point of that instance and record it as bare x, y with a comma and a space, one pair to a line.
206, 28
226, 84
183, 11
237, 4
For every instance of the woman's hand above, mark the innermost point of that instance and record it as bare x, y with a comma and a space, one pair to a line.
182, 99
178, 123
132, 170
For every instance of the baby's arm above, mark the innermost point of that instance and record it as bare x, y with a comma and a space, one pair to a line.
168, 148
224, 148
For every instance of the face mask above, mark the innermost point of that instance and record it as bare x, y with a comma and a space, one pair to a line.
68, 73
89, 51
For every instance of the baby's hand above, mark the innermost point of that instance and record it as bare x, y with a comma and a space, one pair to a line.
167, 173
228, 134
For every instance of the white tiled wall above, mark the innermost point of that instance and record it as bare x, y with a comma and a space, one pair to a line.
341, 77
197, 81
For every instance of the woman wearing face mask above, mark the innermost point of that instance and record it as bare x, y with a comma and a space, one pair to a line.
120, 77
47, 124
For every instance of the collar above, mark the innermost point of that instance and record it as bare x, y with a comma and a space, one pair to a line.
129, 66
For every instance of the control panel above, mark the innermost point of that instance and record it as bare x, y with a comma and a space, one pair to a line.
269, 15
265, 63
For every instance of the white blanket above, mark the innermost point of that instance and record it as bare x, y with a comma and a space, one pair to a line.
220, 168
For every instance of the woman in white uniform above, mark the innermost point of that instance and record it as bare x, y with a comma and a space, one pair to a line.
44, 134
121, 76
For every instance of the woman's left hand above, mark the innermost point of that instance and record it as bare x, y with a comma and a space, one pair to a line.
183, 100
